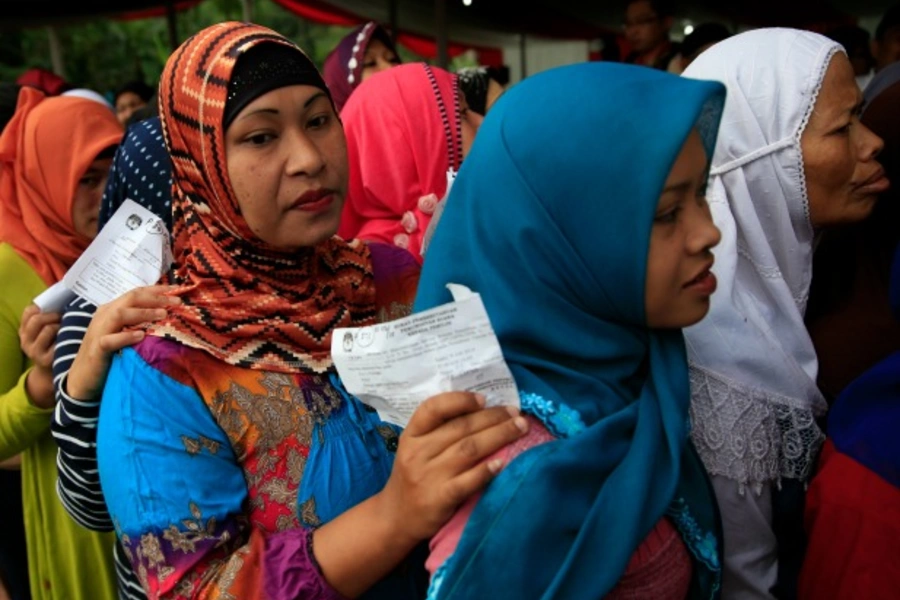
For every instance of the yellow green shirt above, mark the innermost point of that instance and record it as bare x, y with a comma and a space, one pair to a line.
65, 561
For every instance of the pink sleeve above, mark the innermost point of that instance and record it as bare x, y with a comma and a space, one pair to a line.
444, 542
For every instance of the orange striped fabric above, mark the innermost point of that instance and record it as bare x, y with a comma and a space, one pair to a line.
244, 301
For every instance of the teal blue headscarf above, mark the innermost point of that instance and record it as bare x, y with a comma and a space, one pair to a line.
550, 221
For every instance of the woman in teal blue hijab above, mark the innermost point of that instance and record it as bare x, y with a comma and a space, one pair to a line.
579, 218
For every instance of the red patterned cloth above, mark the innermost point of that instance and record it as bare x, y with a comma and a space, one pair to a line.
244, 302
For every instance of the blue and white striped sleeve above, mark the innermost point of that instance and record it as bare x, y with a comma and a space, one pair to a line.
74, 427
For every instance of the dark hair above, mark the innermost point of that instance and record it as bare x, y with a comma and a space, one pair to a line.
137, 87
889, 20
703, 34
9, 98
499, 74
662, 8
851, 37
151, 109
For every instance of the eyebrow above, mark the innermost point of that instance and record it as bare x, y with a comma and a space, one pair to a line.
275, 111
318, 95
856, 109
680, 187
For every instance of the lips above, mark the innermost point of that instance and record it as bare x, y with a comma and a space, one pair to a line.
875, 183
311, 197
314, 200
700, 276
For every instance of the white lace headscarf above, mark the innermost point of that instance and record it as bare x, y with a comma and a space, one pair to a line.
753, 366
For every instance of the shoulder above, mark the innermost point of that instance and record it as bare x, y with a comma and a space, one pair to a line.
14, 267
168, 357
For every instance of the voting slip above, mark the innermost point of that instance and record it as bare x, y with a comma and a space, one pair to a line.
394, 367
132, 250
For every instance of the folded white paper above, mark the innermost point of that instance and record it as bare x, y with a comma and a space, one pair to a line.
54, 298
132, 250
394, 367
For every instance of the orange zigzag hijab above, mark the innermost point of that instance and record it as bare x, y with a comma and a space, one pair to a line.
244, 301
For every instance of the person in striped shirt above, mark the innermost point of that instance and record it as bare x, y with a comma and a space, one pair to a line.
141, 171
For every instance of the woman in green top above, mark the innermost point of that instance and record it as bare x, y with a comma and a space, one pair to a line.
54, 158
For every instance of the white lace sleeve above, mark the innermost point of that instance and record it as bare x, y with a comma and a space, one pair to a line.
750, 435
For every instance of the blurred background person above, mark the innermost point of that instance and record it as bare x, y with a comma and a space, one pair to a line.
701, 39
130, 97
647, 25
856, 41
482, 86
366, 50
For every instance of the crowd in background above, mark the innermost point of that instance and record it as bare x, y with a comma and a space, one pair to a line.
688, 258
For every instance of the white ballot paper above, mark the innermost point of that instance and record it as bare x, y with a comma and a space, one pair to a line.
54, 298
394, 367
132, 250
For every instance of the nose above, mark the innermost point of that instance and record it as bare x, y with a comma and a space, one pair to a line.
303, 155
870, 144
704, 235
99, 191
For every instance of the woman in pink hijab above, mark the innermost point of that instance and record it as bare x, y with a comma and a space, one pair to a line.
408, 130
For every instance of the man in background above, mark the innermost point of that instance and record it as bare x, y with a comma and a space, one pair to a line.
647, 25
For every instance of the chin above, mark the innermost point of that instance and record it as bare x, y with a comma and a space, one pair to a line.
690, 315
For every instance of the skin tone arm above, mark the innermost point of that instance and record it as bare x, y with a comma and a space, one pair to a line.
438, 466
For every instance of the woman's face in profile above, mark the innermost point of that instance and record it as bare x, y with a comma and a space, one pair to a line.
843, 177
679, 279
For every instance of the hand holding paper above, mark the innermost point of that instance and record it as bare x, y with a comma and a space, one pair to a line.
395, 366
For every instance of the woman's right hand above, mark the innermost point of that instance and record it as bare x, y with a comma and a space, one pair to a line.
104, 336
440, 460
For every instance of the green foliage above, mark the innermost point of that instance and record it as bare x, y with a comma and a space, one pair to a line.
104, 53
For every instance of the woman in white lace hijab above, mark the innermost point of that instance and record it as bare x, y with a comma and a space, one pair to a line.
791, 158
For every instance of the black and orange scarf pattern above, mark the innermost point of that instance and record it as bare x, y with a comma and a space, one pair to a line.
243, 301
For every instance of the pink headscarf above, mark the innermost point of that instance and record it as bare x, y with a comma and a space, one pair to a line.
403, 136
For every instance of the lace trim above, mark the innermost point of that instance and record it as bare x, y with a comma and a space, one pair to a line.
748, 435
559, 419
820, 78
703, 545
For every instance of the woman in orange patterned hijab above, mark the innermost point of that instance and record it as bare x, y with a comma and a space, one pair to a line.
233, 462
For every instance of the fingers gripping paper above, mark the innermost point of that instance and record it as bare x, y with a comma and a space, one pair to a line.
394, 367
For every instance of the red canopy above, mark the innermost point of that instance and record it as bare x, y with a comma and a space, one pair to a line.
320, 12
